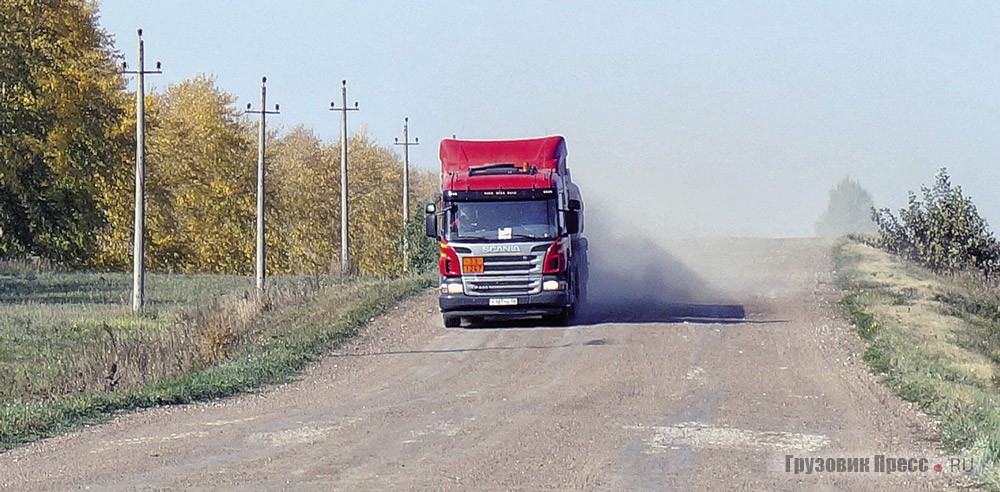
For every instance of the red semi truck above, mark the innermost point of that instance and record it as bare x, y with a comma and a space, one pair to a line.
510, 223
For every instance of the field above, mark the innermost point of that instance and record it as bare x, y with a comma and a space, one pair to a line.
71, 350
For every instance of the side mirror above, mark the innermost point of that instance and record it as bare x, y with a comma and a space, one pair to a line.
430, 220
574, 204
573, 222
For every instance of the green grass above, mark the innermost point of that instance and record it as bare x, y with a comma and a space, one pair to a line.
60, 333
71, 352
934, 340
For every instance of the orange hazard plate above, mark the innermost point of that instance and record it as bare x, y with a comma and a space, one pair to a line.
472, 264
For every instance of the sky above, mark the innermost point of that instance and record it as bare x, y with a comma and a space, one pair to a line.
687, 118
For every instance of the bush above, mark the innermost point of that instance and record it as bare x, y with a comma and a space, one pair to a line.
424, 250
943, 231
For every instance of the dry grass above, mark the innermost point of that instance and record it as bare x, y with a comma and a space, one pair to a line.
934, 340
65, 334
71, 351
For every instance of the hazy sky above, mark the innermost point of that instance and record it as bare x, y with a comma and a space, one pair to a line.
711, 117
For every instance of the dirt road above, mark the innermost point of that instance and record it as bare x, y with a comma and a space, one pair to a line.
642, 395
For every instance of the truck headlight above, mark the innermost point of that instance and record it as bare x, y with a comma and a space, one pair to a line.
452, 288
553, 285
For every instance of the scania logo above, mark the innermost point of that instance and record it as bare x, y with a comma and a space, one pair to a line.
501, 248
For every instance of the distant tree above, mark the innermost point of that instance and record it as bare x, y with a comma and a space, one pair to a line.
61, 128
943, 231
849, 210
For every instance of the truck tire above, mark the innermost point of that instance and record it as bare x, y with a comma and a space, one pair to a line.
452, 321
561, 319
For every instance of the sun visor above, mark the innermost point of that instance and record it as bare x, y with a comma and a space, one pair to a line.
544, 153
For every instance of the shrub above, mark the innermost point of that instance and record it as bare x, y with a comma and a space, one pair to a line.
423, 250
943, 231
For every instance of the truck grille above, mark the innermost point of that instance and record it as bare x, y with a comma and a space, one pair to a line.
508, 286
507, 275
522, 264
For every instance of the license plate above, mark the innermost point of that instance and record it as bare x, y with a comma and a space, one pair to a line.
473, 264
503, 301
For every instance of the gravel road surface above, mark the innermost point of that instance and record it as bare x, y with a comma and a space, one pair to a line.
647, 393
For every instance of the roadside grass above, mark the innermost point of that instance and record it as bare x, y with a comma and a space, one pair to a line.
72, 353
935, 340
73, 333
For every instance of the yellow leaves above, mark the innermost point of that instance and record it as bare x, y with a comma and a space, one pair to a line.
199, 187
304, 196
201, 194
62, 105
376, 202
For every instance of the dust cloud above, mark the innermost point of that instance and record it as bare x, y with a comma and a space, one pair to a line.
634, 277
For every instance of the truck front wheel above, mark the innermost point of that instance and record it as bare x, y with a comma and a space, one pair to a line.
561, 319
452, 321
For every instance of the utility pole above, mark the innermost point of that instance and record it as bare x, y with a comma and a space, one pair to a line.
406, 143
138, 245
3, 98
261, 142
345, 252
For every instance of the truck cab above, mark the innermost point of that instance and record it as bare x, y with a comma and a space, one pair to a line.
509, 222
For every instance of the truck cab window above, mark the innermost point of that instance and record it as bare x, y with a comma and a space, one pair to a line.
526, 219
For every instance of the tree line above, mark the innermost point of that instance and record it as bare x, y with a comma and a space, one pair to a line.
67, 142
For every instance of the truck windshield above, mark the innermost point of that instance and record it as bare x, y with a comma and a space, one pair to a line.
501, 221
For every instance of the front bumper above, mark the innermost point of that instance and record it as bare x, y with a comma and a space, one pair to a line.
544, 303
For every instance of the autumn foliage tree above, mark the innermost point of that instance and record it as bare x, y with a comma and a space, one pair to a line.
202, 174
304, 198
305, 203
67, 166
62, 127
200, 185
376, 206
201, 192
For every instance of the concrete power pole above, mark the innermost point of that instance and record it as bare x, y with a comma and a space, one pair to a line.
261, 142
345, 252
138, 246
406, 143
